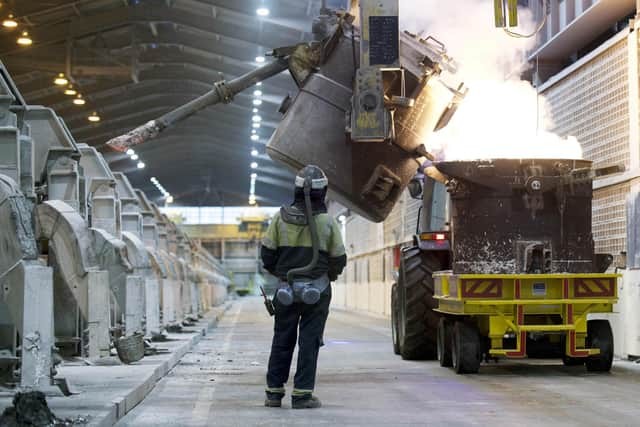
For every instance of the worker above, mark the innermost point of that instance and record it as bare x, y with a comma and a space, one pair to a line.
288, 245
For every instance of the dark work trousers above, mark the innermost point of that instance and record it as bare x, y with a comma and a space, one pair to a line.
311, 319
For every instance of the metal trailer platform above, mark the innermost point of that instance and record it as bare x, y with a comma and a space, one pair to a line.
486, 314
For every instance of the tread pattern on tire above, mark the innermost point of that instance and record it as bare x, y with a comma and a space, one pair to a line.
419, 340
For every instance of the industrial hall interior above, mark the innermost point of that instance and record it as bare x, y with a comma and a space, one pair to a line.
319, 212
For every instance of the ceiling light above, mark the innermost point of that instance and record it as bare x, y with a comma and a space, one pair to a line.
79, 100
70, 91
254, 165
130, 152
170, 199
254, 175
257, 102
257, 92
9, 22
141, 165
154, 179
252, 202
262, 11
134, 157
253, 131
256, 125
259, 84
255, 110
254, 137
61, 80
94, 117
342, 219
24, 39
256, 118
254, 153
260, 59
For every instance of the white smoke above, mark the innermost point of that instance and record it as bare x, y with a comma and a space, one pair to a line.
502, 116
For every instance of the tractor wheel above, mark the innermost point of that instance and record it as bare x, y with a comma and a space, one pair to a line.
444, 342
418, 323
395, 318
599, 335
466, 350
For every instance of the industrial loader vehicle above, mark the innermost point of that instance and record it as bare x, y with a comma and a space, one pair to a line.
503, 265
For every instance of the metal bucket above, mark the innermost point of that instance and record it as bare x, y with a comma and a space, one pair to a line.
366, 177
130, 348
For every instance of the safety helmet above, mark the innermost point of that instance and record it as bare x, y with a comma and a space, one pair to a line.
319, 180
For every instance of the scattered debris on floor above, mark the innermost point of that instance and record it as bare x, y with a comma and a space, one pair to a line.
31, 409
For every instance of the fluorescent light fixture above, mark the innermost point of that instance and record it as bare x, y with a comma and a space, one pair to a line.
257, 92
254, 137
130, 152
259, 84
141, 165
255, 110
256, 125
134, 157
254, 165
254, 153
256, 118
254, 175
253, 131
262, 11
257, 102
342, 219
260, 59
170, 199
154, 179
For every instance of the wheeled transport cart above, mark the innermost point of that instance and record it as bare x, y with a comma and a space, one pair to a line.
504, 265
497, 314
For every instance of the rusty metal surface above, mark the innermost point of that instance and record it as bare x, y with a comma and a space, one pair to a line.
518, 216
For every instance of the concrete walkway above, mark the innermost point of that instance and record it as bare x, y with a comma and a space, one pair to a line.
362, 383
111, 389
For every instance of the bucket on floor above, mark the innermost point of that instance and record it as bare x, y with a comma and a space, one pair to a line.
130, 348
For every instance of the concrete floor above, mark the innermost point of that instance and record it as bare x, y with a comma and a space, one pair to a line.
362, 383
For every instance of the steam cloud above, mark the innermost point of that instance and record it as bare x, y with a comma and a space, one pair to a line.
502, 116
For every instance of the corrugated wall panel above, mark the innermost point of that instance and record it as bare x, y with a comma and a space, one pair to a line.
609, 219
592, 104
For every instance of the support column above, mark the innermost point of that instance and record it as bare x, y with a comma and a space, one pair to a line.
98, 314
37, 325
168, 301
134, 305
152, 306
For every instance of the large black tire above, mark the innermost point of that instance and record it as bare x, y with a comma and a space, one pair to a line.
417, 322
395, 316
466, 351
599, 335
445, 329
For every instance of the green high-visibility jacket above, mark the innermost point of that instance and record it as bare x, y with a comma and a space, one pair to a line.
286, 246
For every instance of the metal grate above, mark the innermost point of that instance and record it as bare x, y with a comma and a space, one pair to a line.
592, 104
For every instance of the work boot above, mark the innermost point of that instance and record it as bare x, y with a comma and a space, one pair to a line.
273, 400
306, 401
